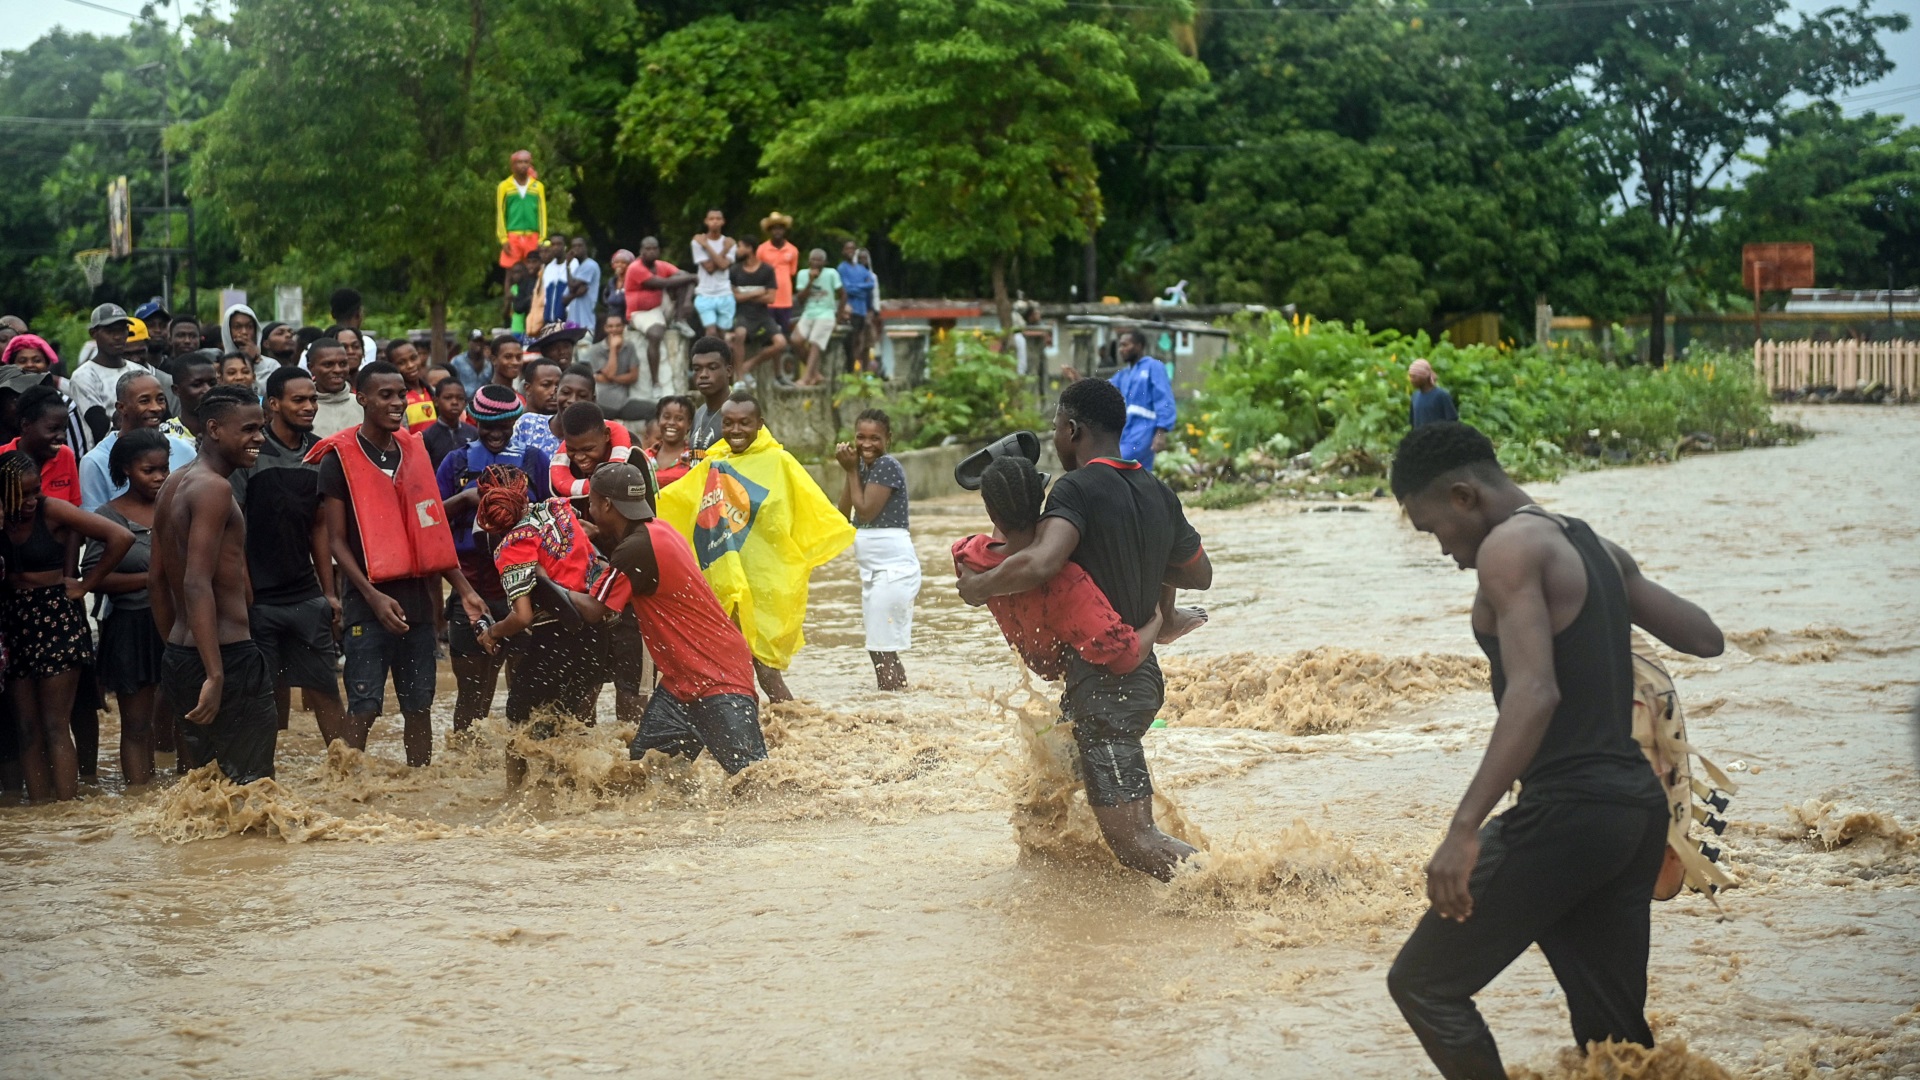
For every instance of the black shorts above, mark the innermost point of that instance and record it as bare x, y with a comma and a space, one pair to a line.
460, 639
242, 734
131, 650
1110, 713
728, 725
757, 322
297, 640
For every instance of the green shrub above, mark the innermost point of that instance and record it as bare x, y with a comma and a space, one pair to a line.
971, 393
1342, 392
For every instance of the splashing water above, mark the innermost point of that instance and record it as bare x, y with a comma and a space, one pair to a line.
1311, 692
1626, 1061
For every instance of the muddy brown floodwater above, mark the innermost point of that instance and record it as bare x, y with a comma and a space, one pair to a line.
870, 903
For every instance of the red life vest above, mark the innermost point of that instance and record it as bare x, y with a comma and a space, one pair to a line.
403, 526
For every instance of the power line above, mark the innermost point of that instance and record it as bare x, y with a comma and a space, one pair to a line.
103, 7
79, 122
1876, 106
1898, 91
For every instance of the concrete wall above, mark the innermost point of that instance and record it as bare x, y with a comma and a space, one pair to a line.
802, 419
929, 471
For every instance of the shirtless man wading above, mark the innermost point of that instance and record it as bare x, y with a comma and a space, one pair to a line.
201, 594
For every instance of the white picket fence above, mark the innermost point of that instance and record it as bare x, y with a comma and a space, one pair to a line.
1844, 365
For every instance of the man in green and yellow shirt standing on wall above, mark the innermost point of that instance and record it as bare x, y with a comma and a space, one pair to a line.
520, 211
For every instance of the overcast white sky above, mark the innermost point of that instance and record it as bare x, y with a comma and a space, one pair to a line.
26, 20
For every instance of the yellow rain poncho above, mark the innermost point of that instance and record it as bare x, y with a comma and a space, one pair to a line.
759, 525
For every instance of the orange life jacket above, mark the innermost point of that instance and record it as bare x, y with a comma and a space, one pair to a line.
403, 526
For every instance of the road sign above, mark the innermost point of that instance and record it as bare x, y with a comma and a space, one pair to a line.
1776, 267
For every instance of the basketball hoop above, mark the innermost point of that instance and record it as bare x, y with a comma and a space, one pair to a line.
93, 263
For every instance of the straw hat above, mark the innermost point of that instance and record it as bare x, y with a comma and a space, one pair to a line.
775, 218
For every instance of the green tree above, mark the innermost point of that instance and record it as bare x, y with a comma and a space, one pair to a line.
381, 127
965, 128
1356, 163
97, 108
707, 98
1848, 185
1666, 96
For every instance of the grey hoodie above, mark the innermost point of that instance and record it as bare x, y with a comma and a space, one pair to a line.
263, 365
226, 327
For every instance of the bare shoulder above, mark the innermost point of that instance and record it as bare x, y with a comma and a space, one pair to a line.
202, 493
1518, 545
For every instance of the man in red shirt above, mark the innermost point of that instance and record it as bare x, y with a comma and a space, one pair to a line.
784, 257
43, 435
705, 698
649, 280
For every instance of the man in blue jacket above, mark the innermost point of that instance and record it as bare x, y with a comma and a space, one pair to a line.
1151, 412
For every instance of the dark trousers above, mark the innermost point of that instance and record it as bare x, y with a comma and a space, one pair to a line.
242, 734
728, 725
556, 667
1576, 877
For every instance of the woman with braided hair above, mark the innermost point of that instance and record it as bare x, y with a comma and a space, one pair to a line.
1068, 614
46, 628
550, 572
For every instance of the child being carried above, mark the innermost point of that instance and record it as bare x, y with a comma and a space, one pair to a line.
1069, 611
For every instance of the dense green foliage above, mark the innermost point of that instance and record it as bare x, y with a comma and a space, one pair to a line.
1398, 166
1341, 392
976, 125
972, 393
403, 159
1664, 98
1850, 185
1354, 166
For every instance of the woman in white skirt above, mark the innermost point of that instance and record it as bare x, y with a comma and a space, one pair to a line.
874, 498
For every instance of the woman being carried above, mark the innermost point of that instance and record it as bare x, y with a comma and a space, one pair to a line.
1069, 612
549, 571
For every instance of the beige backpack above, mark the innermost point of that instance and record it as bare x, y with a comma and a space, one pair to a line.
1661, 730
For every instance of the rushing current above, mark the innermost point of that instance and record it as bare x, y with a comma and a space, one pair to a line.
912, 885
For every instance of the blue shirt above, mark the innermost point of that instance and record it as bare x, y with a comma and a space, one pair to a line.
97, 488
461, 470
471, 376
1150, 408
1433, 405
580, 311
859, 283
534, 431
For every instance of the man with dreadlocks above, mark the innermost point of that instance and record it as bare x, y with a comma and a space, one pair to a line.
1572, 864
200, 592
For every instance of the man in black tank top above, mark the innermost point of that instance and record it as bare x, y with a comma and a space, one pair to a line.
1572, 864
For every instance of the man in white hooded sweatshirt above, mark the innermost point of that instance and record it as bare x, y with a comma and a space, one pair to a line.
240, 333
